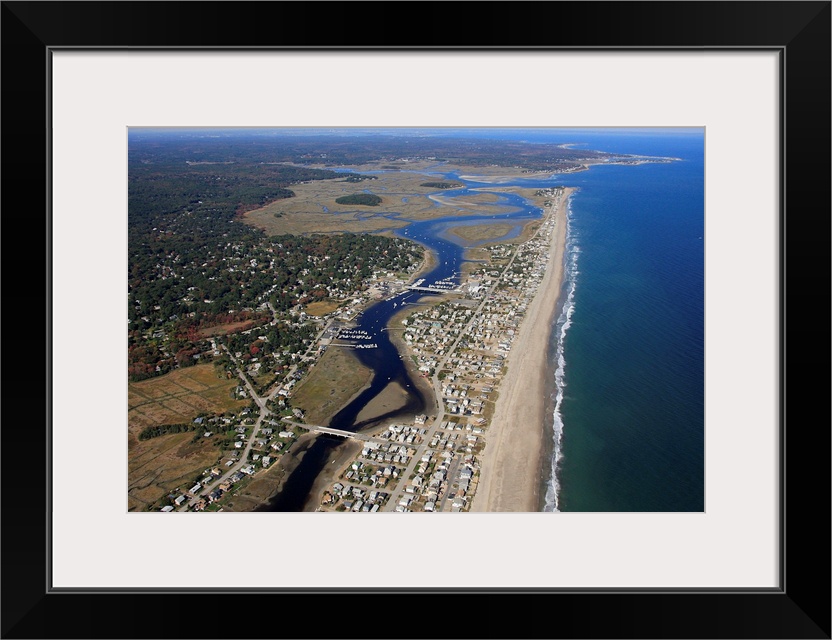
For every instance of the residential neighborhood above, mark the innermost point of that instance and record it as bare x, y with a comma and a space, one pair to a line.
458, 343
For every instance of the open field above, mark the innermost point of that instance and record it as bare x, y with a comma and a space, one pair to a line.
179, 396
314, 209
330, 384
223, 329
478, 233
322, 307
158, 465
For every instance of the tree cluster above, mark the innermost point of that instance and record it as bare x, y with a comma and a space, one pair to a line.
366, 199
164, 429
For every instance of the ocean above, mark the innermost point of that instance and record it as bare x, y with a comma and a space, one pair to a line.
628, 344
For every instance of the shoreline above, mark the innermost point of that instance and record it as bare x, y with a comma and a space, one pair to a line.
516, 439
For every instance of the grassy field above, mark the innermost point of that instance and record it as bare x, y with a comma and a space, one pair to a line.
471, 200
336, 378
158, 465
322, 307
314, 208
179, 396
223, 329
478, 233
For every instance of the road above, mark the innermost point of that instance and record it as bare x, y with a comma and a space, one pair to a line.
441, 416
262, 404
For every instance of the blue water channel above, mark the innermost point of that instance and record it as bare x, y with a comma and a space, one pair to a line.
385, 360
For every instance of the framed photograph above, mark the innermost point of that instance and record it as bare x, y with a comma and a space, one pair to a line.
86, 82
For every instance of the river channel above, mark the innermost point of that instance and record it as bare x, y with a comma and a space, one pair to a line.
385, 360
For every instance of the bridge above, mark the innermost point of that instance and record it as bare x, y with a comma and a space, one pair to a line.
434, 289
329, 431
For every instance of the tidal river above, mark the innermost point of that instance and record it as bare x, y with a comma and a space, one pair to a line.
384, 360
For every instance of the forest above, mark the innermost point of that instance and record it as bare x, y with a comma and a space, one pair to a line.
197, 273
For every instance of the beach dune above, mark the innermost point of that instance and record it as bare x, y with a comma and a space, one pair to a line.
512, 466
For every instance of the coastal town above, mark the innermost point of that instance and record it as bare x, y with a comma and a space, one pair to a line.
457, 341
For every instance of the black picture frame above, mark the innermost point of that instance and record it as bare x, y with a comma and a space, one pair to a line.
799, 608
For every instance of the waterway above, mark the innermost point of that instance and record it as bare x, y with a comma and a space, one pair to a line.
385, 360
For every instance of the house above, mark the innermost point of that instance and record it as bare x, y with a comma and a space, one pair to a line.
193, 490
180, 500
167, 509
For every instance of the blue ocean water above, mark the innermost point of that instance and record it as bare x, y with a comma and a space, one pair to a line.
630, 338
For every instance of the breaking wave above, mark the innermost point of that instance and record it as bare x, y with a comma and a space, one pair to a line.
562, 325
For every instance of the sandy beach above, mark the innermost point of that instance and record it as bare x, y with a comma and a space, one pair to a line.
510, 477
